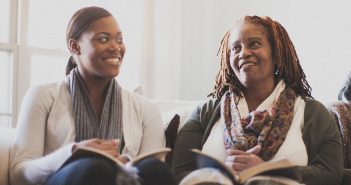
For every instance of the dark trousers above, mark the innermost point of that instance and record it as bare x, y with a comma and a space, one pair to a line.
99, 171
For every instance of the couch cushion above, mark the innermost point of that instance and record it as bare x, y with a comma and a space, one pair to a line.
7, 136
183, 113
171, 135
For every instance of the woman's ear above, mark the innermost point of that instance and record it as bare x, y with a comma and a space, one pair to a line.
74, 46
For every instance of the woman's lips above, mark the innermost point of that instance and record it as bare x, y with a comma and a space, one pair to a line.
247, 64
116, 60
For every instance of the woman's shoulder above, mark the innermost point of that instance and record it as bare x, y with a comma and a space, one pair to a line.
317, 113
208, 106
43, 96
49, 90
313, 105
136, 100
132, 95
206, 111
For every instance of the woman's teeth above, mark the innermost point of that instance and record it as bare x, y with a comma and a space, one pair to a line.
113, 60
247, 64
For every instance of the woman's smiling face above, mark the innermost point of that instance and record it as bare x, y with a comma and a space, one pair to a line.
101, 49
251, 55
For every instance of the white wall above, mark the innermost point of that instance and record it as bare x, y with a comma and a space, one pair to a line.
172, 45
187, 35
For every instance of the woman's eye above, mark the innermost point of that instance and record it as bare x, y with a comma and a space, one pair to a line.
236, 48
120, 40
103, 39
255, 44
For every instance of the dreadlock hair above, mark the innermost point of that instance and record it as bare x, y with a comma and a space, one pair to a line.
287, 65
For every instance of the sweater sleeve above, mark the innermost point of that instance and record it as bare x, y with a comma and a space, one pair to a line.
191, 136
153, 130
28, 165
324, 148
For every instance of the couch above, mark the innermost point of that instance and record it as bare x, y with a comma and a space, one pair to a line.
7, 136
169, 108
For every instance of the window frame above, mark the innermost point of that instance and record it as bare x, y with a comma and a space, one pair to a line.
11, 46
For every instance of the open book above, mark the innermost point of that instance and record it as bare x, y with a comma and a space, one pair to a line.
90, 152
280, 167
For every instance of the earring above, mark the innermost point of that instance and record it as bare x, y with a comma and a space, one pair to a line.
276, 71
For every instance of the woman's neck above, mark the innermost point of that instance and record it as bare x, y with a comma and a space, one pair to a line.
97, 89
255, 95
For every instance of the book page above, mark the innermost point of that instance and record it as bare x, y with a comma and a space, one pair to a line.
82, 152
158, 154
277, 164
282, 165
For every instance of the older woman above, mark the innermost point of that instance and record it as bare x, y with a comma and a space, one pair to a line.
262, 109
88, 109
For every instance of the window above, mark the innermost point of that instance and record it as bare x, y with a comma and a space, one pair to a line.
5, 21
6, 88
8, 52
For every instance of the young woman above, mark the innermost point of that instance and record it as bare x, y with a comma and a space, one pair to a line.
88, 109
262, 109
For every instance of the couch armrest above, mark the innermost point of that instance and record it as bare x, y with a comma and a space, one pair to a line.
7, 136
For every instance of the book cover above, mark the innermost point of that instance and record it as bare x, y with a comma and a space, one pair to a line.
278, 167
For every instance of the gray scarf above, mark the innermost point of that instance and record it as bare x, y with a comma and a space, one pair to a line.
87, 125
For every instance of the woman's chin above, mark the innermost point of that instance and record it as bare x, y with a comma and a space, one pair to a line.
113, 73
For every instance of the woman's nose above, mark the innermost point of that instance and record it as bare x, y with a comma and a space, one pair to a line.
114, 45
244, 53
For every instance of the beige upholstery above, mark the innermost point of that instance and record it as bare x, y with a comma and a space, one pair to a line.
7, 136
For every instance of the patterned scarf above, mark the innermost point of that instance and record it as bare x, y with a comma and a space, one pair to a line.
87, 125
267, 128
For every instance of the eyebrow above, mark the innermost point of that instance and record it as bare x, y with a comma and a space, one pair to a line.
250, 39
106, 33
255, 38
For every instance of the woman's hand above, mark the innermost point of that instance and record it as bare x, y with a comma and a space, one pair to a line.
111, 147
241, 160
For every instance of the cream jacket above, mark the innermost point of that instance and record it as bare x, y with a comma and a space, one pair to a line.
46, 133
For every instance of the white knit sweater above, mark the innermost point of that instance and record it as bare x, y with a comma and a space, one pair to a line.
45, 131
